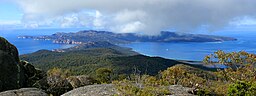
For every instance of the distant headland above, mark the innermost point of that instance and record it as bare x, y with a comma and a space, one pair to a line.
122, 38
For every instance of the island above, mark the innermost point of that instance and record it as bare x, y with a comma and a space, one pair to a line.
124, 38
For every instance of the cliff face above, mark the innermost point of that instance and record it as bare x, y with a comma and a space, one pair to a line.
15, 74
11, 72
10, 49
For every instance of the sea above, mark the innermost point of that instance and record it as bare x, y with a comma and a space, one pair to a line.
194, 51
26, 46
179, 51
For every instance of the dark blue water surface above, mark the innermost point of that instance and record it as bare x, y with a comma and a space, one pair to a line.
29, 45
185, 51
197, 51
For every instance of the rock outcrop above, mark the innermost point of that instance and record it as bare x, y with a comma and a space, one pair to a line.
9, 49
58, 85
110, 90
178, 90
12, 74
32, 74
93, 90
24, 92
79, 81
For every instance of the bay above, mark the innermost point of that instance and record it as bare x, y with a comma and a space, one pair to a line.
197, 51
25, 46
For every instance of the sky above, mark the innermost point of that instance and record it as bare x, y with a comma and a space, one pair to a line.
128, 16
10, 13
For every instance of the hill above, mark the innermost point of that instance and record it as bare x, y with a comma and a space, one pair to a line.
88, 60
99, 44
88, 57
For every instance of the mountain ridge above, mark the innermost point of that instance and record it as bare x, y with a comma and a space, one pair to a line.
81, 37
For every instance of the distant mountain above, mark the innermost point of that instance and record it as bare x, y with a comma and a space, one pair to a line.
117, 38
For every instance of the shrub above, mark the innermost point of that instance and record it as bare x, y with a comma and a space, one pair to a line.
130, 88
242, 88
104, 75
58, 84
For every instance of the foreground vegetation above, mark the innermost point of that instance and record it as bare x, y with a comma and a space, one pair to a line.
131, 74
150, 76
238, 79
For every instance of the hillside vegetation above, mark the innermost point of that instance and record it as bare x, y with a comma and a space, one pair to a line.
87, 61
143, 75
238, 79
106, 65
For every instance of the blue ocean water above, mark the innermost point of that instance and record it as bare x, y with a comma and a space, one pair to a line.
197, 51
181, 51
29, 45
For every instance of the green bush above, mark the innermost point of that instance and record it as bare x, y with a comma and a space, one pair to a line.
104, 75
242, 88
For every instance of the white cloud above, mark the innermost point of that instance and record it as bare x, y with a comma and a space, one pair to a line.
9, 22
97, 22
154, 15
243, 21
129, 28
72, 20
128, 16
31, 25
69, 21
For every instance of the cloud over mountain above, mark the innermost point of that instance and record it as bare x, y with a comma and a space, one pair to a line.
149, 16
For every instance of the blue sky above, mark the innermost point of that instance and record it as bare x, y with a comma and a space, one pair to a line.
9, 12
11, 16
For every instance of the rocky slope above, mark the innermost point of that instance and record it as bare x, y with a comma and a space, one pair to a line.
110, 90
24, 92
93, 90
